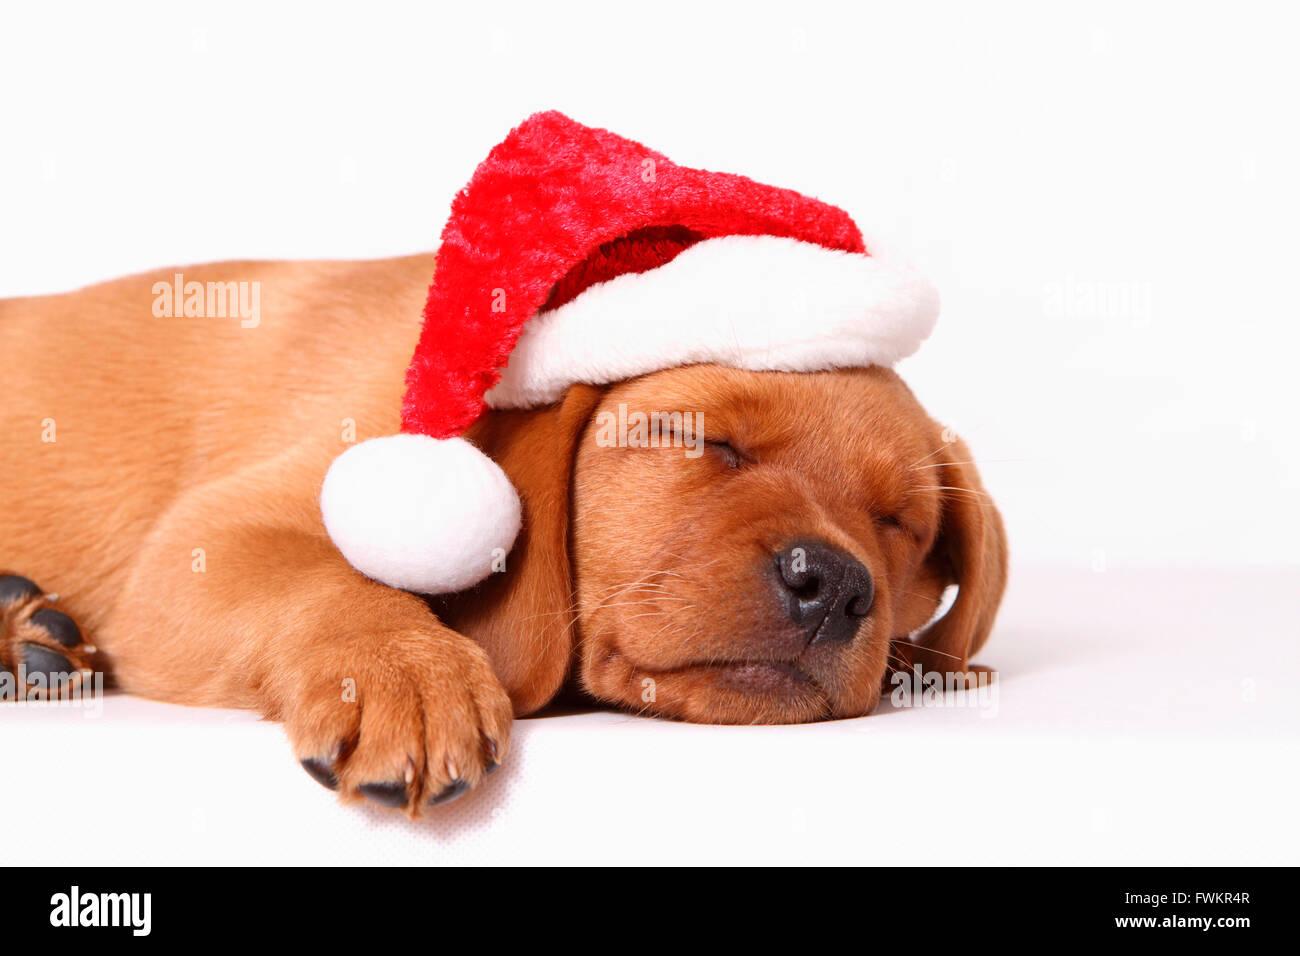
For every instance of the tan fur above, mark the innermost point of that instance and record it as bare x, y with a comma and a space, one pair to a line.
184, 440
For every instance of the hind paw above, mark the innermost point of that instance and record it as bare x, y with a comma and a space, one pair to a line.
42, 651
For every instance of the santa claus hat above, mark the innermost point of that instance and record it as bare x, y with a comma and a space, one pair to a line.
575, 255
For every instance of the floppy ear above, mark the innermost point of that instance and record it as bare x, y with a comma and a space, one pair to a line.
523, 614
972, 543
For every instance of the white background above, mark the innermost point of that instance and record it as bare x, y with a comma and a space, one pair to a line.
1107, 198
1105, 195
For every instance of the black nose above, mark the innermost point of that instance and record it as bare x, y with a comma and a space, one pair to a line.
829, 591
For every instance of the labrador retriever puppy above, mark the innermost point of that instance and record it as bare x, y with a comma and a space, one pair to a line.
161, 475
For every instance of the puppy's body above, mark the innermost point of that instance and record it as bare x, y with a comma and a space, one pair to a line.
162, 474
154, 417
175, 511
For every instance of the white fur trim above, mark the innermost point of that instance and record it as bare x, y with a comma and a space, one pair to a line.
754, 302
418, 513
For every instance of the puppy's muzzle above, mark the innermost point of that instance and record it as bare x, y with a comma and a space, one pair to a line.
828, 591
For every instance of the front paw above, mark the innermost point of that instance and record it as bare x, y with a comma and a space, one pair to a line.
407, 721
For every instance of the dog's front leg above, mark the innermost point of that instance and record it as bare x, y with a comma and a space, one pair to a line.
378, 697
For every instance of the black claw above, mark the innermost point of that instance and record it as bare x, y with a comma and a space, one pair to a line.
494, 756
59, 626
386, 794
321, 772
15, 588
43, 661
456, 788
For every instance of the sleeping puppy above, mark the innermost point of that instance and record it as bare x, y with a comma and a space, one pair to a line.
161, 475
237, 493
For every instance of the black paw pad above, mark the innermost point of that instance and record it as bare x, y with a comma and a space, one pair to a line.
385, 794
45, 662
321, 772
58, 625
457, 788
15, 588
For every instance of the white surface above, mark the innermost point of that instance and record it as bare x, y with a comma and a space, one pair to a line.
1143, 717
1105, 194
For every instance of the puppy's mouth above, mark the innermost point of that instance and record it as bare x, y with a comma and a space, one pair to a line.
744, 691
778, 678
772, 678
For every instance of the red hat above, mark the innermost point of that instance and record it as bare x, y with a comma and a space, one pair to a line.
575, 255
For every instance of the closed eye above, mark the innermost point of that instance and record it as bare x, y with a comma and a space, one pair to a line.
728, 454
894, 523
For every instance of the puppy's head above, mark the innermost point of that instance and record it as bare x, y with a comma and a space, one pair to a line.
729, 546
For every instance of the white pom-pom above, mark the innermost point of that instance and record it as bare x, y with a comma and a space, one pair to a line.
419, 513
